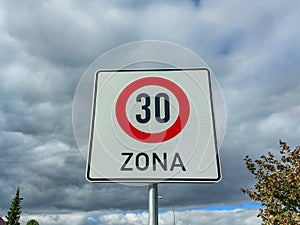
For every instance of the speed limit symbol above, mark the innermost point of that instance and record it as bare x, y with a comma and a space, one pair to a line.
153, 126
157, 108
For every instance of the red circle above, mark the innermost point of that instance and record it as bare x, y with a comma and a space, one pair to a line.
172, 131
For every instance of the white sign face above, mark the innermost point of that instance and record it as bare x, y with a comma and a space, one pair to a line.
153, 126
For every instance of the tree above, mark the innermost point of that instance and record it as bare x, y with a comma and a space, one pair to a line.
277, 186
32, 222
14, 213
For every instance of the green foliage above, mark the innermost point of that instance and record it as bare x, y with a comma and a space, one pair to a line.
14, 213
32, 222
278, 186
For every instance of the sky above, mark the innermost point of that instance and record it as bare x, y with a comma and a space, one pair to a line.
45, 46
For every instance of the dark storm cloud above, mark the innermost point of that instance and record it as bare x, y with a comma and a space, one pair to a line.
69, 33
46, 46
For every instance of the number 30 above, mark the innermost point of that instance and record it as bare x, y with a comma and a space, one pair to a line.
145, 107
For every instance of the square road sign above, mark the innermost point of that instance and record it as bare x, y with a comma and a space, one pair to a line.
153, 125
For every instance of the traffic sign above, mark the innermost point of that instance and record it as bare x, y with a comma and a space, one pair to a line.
177, 126
153, 125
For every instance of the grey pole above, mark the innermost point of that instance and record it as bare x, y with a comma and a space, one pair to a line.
153, 204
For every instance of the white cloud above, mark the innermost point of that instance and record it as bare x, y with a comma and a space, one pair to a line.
54, 219
188, 217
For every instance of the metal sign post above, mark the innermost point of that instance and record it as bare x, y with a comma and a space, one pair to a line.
153, 204
151, 126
